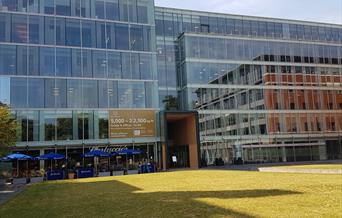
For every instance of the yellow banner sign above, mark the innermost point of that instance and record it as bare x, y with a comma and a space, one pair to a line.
131, 123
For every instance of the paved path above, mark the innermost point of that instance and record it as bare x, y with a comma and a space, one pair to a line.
273, 167
289, 170
9, 191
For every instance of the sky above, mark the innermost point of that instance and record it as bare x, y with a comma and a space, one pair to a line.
327, 11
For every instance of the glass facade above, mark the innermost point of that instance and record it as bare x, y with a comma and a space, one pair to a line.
65, 64
266, 89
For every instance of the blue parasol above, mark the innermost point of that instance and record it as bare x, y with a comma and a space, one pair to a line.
128, 152
17, 157
97, 153
51, 156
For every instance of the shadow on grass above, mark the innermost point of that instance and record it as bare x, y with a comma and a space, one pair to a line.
118, 199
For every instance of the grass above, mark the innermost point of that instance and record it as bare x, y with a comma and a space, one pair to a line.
201, 193
315, 166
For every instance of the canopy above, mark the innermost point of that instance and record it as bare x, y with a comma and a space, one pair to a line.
97, 153
51, 156
17, 156
128, 152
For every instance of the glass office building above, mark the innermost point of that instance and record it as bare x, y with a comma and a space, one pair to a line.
265, 89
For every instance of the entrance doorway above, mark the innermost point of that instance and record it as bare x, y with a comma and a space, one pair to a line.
181, 146
181, 153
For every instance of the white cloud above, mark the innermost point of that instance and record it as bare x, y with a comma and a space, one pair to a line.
328, 11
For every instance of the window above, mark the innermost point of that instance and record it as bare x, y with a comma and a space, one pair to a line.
88, 34
101, 40
205, 28
5, 27
25, 5
33, 61
246, 27
18, 90
221, 24
147, 38
159, 27
19, 28
5, 90
131, 95
85, 8
110, 35
36, 93
136, 38
36, 30
63, 7
135, 66
99, 64
230, 26
143, 11
73, 32
90, 96
47, 61
60, 31
114, 65
60, 93
103, 124
21, 60
99, 9
88, 125
123, 10
132, 10
270, 30
75, 8
76, 63
87, 65
64, 125
292, 106
7, 60
49, 30
74, 93
112, 9
113, 94
103, 94
49, 122
47, 6
121, 36
63, 62
50, 93
126, 66
168, 25
32, 126
149, 93
146, 67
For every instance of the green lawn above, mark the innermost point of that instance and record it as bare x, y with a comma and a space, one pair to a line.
201, 193
315, 166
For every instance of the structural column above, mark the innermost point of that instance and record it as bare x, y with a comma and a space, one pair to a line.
283, 154
41, 162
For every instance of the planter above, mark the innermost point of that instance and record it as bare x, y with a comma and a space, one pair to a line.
71, 175
9, 180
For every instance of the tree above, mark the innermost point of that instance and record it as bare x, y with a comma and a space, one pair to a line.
8, 129
171, 102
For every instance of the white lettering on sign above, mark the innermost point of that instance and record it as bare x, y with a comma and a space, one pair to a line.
109, 149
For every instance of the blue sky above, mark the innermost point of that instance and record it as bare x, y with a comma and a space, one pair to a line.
327, 11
